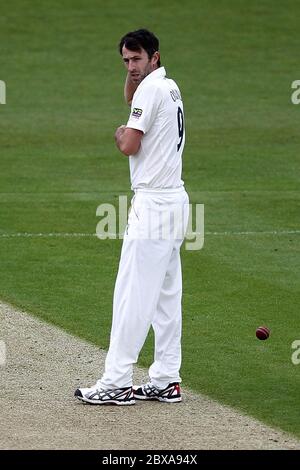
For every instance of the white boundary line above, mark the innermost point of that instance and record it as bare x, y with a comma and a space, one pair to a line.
112, 235
265, 232
45, 235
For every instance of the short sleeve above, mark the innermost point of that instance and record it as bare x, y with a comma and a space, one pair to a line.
144, 108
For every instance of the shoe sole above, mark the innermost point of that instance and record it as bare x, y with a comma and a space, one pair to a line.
107, 402
161, 399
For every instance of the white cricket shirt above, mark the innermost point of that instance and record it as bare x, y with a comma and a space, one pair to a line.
157, 111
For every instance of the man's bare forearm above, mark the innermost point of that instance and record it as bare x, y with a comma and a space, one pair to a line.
128, 140
129, 89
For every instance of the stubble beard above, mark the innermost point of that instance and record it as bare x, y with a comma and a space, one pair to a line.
143, 74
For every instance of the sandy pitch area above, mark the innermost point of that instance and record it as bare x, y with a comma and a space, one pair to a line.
44, 365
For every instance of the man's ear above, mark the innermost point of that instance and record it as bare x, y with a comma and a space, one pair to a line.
155, 57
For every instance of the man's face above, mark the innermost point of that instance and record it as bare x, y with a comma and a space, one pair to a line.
138, 63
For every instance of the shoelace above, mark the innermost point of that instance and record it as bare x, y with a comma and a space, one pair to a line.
110, 394
150, 389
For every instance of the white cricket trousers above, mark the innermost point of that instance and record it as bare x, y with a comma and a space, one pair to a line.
148, 289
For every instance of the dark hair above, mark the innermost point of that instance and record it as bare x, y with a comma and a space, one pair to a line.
140, 39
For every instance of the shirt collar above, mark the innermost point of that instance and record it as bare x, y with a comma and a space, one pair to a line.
157, 73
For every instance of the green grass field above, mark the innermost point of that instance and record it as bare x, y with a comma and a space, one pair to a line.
234, 61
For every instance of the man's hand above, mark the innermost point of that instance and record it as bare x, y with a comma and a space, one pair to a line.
119, 132
129, 89
128, 140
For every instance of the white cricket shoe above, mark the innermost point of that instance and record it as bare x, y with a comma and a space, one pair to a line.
98, 396
170, 394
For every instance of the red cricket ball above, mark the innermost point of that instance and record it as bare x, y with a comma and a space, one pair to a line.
262, 332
